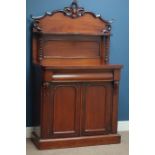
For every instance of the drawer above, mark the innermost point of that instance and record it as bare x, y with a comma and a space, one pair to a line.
77, 76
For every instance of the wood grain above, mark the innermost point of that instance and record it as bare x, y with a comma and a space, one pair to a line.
76, 98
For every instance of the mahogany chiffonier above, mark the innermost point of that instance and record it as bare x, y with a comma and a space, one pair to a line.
76, 89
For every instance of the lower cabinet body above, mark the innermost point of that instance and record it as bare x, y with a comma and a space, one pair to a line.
77, 114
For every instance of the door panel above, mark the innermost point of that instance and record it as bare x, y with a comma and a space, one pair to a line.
65, 111
97, 101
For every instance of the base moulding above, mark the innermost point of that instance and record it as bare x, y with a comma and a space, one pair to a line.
75, 141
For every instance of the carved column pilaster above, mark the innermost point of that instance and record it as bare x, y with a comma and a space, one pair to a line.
115, 107
45, 122
40, 49
107, 46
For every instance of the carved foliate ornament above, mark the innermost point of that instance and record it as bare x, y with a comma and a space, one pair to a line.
74, 10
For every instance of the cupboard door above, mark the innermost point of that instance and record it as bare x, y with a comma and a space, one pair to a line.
65, 111
96, 112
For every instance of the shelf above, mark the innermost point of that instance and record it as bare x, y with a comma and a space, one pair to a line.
117, 66
75, 33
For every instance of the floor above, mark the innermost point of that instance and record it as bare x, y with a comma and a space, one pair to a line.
113, 149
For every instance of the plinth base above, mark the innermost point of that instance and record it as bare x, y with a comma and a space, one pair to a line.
75, 141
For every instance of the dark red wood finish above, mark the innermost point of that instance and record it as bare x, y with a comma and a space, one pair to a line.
76, 98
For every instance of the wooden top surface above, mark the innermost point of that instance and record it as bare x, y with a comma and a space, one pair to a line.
109, 66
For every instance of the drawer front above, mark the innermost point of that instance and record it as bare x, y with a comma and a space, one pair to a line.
78, 76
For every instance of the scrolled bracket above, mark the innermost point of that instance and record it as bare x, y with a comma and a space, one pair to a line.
116, 85
46, 85
107, 29
36, 25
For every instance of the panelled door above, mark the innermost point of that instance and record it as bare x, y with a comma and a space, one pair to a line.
96, 108
73, 109
61, 113
65, 110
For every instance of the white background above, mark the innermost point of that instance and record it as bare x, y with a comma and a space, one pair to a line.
13, 77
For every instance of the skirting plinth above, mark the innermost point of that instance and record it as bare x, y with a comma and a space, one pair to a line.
56, 143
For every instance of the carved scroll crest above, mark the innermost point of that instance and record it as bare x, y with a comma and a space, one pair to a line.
74, 10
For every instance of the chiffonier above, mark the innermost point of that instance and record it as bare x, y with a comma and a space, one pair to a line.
76, 89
